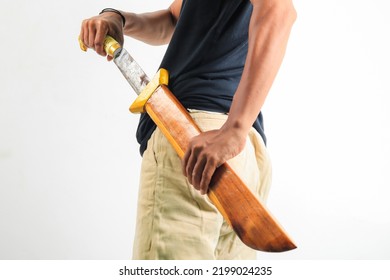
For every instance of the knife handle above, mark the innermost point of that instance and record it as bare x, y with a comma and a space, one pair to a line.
111, 46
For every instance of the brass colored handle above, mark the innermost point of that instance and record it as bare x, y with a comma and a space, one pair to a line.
111, 46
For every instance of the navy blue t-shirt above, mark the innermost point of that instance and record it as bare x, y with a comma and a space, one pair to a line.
205, 58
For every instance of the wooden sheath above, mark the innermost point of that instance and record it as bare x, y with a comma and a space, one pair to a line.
248, 217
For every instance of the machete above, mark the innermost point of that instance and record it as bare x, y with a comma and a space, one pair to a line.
249, 218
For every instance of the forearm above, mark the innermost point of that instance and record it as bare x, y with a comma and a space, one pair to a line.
269, 31
155, 28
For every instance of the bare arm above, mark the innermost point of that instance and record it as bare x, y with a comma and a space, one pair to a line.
268, 35
155, 28
269, 30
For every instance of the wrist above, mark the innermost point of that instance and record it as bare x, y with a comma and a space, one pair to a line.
111, 10
236, 129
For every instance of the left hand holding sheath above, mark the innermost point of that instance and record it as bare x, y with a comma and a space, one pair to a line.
207, 151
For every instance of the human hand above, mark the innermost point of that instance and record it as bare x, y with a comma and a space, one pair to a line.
209, 150
94, 30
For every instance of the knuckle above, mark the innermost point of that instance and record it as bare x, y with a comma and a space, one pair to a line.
212, 160
197, 147
195, 142
98, 22
88, 23
85, 22
98, 43
103, 24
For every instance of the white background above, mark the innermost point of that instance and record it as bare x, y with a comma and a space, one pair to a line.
69, 162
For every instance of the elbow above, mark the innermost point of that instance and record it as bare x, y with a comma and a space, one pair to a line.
280, 12
290, 13
284, 12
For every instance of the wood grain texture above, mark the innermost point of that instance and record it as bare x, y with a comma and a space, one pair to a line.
249, 218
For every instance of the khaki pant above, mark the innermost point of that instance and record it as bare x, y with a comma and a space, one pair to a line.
174, 221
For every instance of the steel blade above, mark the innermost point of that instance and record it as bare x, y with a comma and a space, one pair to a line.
131, 70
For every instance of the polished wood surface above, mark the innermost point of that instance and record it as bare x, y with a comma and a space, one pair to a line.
249, 218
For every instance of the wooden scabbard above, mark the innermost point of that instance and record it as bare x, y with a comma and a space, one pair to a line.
249, 218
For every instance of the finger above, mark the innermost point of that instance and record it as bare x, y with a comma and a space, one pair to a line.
84, 33
190, 169
198, 171
91, 37
207, 174
99, 42
184, 161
